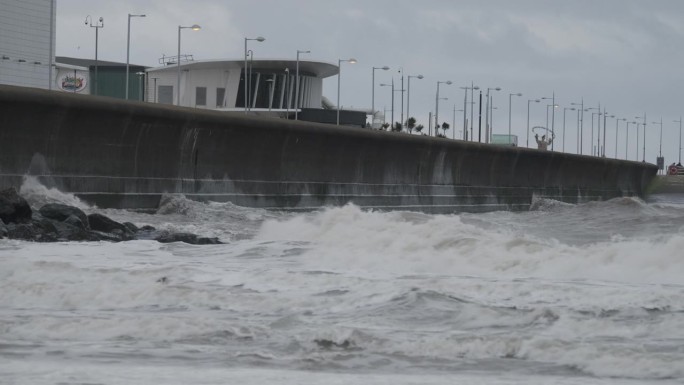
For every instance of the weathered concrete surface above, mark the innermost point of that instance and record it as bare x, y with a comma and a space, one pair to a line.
667, 184
125, 154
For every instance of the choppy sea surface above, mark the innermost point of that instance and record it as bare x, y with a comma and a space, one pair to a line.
562, 294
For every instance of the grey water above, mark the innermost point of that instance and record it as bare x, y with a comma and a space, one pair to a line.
572, 294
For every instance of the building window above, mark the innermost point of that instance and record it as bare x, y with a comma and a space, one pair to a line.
220, 95
165, 94
201, 96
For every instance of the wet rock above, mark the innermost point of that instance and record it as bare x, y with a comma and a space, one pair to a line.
76, 222
29, 232
193, 239
14, 208
130, 226
61, 213
99, 222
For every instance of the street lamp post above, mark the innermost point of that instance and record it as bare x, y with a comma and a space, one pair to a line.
617, 120
194, 27
384, 68
296, 106
408, 93
660, 149
128, 48
339, 75
465, 109
580, 125
392, 98
644, 144
488, 111
248, 82
97, 27
448, 82
453, 122
605, 128
627, 140
472, 105
528, 119
680, 140
510, 96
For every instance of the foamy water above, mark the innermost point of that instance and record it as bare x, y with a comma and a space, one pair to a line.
586, 294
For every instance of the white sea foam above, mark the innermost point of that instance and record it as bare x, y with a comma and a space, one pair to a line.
38, 195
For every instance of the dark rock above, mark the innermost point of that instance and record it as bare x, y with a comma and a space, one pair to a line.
14, 208
133, 228
75, 221
29, 232
99, 222
147, 228
167, 237
60, 212
177, 237
208, 241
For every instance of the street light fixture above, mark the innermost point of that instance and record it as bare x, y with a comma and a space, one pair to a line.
680, 139
384, 68
617, 120
408, 94
248, 82
128, 48
644, 144
339, 75
97, 27
660, 150
296, 106
194, 27
489, 112
580, 125
510, 96
448, 82
472, 89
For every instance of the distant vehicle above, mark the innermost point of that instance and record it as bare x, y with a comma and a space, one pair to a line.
505, 139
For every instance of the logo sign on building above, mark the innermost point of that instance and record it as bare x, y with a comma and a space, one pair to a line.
72, 82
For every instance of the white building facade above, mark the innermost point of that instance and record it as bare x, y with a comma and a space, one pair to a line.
219, 84
27, 41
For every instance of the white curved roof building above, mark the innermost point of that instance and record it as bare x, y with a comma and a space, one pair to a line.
220, 85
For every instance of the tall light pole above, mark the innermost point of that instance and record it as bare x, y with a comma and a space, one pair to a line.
680, 140
565, 109
392, 90
605, 128
660, 149
128, 48
384, 68
617, 120
644, 144
453, 122
488, 111
248, 82
627, 140
408, 93
510, 96
194, 27
97, 27
528, 119
296, 106
448, 82
580, 125
472, 88
339, 75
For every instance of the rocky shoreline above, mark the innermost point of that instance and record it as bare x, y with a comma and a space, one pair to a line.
56, 222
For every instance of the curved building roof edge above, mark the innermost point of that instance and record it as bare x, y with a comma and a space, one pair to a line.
319, 68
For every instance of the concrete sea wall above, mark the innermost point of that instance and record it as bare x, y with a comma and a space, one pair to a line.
126, 154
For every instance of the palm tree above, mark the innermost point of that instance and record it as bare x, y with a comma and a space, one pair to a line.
396, 127
445, 126
419, 127
385, 125
411, 124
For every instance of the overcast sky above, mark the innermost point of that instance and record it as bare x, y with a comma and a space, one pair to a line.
625, 54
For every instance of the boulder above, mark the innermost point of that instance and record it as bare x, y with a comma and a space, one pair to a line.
104, 224
193, 239
29, 232
14, 208
61, 213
